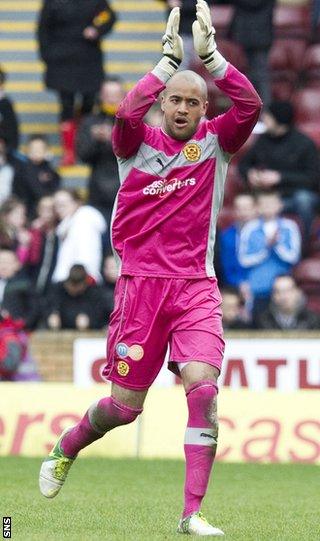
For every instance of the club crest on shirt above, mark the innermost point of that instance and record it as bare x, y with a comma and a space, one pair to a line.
192, 152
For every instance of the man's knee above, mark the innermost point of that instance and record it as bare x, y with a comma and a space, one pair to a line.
108, 413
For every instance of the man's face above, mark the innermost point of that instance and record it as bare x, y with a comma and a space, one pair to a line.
111, 92
269, 206
37, 151
270, 123
230, 307
245, 208
64, 205
183, 105
285, 294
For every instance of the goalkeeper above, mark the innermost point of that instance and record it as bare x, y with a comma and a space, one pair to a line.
163, 233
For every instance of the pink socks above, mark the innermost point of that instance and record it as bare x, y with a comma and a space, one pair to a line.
101, 417
200, 443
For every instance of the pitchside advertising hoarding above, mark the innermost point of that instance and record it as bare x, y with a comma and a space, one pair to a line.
255, 364
269, 406
265, 426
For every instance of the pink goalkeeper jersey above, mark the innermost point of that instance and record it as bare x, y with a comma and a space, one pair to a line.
165, 214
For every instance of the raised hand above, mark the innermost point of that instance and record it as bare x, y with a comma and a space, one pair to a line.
203, 32
203, 39
172, 44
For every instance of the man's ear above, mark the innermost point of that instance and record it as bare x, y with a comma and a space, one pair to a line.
206, 105
162, 103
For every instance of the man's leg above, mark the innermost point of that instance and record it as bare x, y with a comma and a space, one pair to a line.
121, 408
200, 383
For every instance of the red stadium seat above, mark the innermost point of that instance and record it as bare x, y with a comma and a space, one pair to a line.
285, 63
292, 21
307, 105
307, 273
222, 17
314, 243
312, 129
311, 65
282, 90
234, 53
287, 54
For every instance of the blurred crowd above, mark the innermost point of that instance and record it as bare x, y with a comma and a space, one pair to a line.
57, 270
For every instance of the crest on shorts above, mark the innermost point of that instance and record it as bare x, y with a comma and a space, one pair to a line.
123, 368
192, 152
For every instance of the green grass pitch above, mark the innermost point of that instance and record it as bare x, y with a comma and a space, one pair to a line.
140, 500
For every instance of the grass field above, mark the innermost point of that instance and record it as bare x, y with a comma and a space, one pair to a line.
141, 501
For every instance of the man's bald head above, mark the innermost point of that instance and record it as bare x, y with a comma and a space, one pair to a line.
184, 103
192, 78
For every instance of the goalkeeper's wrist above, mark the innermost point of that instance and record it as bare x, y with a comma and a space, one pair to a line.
166, 68
215, 63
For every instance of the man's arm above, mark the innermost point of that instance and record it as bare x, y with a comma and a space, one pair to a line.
129, 129
253, 246
234, 127
288, 245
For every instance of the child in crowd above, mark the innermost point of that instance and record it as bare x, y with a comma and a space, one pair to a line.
35, 178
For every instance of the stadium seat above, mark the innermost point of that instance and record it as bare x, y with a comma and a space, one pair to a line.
287, 54
307, 104
311, 129
222, 17
311, 65
285, 62
314, 244
292, 22
307, 275
282, 90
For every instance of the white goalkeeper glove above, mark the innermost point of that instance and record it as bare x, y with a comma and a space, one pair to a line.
203, 39
172, 44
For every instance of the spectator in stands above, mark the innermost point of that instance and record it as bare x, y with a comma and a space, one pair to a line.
284, 159
36, 177
233, 274
7, 170
94, 147
70, 45
17, 298
110, 274
252, 27
232, 309
80, 233
8, 121
77, 303
187, 13
268, 246
287, 309
45, 223
16, 362
15, 234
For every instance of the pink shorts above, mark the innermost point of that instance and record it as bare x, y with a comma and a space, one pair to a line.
152, 313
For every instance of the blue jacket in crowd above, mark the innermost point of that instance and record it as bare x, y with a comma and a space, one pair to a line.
266, 261
233, 274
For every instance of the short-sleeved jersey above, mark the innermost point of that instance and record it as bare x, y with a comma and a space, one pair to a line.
165, 214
